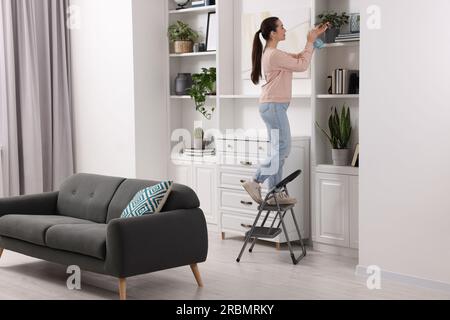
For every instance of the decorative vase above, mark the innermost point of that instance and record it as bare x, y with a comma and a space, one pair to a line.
183, 82
340, 157
183, 46
198, 139
331, 34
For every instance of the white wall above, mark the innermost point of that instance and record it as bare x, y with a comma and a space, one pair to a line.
405, 116
150, 41
103, 88
120, 110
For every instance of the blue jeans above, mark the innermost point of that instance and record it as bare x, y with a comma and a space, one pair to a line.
279, 133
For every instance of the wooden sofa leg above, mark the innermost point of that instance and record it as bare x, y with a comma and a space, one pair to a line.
1, 252
123, 288
197, 276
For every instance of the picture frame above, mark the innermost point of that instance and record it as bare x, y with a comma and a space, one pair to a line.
355, 161
211, 32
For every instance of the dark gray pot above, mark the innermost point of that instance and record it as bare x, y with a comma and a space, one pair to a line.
183, 82
341, 157
331, 34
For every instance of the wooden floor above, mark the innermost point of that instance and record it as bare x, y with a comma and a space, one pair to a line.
264, 274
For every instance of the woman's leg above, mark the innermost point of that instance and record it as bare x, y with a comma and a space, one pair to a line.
277, 123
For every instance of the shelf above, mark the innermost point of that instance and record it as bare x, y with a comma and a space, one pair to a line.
194, 10
338, 96
189, 97
342, 44
325, 168
193, 54
257, 96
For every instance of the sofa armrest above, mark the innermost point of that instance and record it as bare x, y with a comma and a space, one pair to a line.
38, 204
156, 242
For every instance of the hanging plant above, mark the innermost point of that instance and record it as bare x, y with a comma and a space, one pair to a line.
203, 85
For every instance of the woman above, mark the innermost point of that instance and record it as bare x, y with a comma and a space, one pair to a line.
275, 99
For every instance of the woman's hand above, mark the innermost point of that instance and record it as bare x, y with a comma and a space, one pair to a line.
317, 31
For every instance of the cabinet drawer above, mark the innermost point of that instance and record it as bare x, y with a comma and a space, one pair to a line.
237, 200
234, 180
256, 148
239, 162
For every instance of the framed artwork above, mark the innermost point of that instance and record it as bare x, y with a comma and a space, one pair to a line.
211, 32
296, 17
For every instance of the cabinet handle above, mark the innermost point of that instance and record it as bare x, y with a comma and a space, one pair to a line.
246, 203
229, 146
246, 163
243, 181
246, 226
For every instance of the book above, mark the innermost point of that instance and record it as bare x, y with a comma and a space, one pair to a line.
198, 3
355, 161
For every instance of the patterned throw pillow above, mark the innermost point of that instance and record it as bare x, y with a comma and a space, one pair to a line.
148, 201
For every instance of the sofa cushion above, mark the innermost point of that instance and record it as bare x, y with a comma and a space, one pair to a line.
32, 228
148, 201
87, 196
181, 197
87, 239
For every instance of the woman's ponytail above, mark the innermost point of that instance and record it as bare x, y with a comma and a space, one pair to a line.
256, 58
267, 26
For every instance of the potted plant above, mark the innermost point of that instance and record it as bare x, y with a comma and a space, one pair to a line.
335, 21
340, 134
183, 37
203, 84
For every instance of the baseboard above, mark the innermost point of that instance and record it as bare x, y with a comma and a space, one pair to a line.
341, 251
361, 271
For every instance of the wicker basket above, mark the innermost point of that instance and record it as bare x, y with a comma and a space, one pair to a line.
183, 46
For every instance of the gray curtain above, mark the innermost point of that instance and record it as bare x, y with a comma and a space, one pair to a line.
35, 101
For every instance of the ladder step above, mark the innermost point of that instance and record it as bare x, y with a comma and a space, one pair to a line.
265, 233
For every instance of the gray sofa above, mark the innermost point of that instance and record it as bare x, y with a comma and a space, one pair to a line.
81, 225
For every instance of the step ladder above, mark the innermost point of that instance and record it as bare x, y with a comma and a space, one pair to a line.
262, 232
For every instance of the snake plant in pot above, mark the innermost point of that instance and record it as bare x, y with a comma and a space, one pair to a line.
339, 136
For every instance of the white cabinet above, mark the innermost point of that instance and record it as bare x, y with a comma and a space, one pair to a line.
205, 186
332, 209
202, 179
181, 173
336, 210
236, 207
354, 212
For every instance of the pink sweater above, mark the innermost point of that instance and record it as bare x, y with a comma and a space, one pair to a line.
278, 68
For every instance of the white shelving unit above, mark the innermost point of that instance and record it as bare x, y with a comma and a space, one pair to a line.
216, 181
193, 10
257, 97
338, 96
342, 44
193, 54
334, 189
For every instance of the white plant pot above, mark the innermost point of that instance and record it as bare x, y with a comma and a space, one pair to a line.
198, 144
341, 157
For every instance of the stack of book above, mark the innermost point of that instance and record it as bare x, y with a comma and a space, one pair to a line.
345, 81
347, 37
197, 153
197, 3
